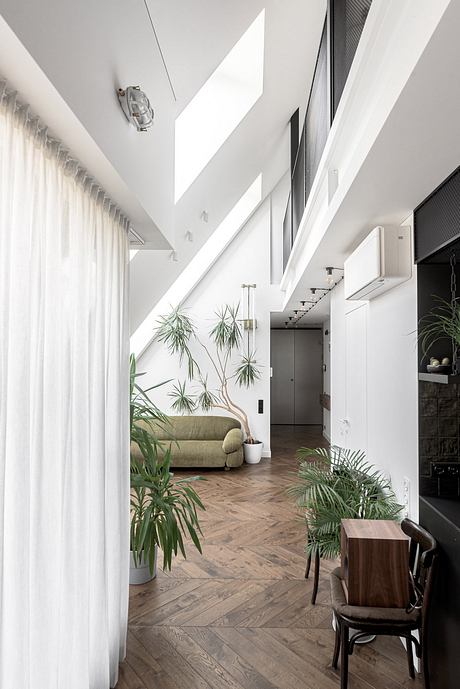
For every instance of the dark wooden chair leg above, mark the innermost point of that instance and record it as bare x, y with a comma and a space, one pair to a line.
345, 637
307, 570
335, 659
410, 656
315, 580
424, 660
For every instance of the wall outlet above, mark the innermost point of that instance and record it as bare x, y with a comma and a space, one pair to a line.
406, 496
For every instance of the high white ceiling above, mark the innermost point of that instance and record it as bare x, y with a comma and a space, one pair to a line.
194, 38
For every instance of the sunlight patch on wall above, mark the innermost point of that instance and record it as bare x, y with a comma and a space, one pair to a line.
199, 265
219, 106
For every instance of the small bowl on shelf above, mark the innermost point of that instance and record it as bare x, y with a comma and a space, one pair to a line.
446, 370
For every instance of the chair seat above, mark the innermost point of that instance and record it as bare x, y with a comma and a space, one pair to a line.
363, 615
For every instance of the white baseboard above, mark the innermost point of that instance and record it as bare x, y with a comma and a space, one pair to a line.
266, 454
327, 436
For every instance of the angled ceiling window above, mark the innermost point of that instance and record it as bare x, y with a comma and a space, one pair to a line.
219, 106
199, 265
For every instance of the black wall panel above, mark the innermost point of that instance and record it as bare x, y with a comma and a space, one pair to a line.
298, 187
317, 120
287, 233
437, 219
347, 19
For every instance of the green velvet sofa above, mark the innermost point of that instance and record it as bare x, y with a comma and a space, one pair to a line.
202, 441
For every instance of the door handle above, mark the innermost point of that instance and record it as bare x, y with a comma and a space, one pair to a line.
292, 380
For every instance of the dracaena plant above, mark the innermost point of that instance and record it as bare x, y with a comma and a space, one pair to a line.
164, 510
221, 350
334, 484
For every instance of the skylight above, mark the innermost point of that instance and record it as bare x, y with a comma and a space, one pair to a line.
199, 265
219, 106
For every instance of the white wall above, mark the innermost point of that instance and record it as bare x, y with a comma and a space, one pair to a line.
327, 376
391, 389
246, 260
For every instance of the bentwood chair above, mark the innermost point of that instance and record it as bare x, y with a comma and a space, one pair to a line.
400, 622
314, 592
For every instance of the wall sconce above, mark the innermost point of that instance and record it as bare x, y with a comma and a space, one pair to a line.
204, 216
189, 236
173, 257
136, 107
248, 319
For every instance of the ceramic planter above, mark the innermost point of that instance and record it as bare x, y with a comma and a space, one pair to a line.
141, 573
252, 452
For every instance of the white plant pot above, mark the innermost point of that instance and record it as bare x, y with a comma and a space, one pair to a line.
252, 452
141, 573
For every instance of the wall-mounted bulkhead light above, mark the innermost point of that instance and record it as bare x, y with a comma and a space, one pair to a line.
136, 107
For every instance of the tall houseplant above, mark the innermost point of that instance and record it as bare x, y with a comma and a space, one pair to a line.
335, 484
222, 352
163, 509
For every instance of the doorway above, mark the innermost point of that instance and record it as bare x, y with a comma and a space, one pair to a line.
297, 376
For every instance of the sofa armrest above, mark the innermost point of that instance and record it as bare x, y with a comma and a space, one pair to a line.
232, 441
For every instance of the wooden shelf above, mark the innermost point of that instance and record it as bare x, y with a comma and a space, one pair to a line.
444, 378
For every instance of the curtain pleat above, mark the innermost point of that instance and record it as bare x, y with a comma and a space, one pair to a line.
64, 416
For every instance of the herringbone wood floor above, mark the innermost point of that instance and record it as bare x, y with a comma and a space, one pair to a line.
239, 616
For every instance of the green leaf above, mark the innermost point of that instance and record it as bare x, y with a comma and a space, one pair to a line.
247, 372
184, 403
334, 484
158, 502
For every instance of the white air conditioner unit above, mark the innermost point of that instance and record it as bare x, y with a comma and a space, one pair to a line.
382, 261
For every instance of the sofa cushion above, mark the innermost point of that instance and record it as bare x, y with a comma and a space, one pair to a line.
196, 427
232, 441
196, 453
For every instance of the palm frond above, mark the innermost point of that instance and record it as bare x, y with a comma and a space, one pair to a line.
335, 484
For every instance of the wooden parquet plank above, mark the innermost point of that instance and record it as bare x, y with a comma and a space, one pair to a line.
243, 671
239, 616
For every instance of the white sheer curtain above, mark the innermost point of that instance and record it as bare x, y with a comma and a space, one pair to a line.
64, 445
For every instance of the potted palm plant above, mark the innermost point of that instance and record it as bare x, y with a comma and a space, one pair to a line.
163, 509
222, 351
335, 484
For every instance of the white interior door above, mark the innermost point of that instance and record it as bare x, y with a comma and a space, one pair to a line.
355, 422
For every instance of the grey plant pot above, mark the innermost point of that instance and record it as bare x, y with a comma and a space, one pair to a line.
141, 574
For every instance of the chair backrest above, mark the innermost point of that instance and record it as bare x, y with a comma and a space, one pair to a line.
423, 555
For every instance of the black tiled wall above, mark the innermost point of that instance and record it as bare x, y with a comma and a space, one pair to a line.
439, 435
